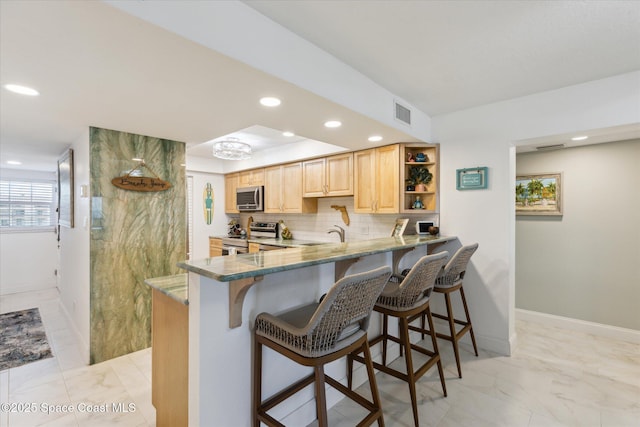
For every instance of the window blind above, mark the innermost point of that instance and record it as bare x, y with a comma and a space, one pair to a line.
27, 204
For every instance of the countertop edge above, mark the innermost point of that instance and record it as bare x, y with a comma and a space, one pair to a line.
176, 287
186, 265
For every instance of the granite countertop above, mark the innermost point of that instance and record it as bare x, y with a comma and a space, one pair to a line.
240, 266
176, 287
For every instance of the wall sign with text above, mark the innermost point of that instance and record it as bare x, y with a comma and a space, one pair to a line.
134, 181
472, 178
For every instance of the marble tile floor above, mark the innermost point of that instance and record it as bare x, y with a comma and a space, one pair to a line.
65, 381
555, 378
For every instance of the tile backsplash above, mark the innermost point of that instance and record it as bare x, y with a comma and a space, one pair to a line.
315, 226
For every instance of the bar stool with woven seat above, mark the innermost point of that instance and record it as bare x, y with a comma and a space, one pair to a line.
448, 281
317, 334
407, 299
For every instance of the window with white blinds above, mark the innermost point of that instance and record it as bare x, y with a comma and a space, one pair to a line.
27, 205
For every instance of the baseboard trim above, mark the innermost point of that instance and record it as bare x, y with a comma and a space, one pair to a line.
599, 329
25, 287
84, 347
493, 344
513, 343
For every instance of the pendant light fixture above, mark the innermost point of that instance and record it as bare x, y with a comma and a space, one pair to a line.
232, 149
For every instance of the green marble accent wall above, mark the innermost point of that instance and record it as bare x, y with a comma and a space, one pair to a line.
134, 236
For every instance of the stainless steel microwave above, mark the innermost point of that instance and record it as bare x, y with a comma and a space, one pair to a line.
250, 199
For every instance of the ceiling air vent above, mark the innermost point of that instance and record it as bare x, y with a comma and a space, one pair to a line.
550, 147
402, 113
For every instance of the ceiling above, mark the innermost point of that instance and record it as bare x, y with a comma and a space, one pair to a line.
440, 56
445, 56
142, 79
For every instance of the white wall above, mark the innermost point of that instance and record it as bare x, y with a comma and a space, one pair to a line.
485, 136
73, 280
586, 264
28, 260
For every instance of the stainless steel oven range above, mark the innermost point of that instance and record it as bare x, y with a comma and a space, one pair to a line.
263, 230
258, 230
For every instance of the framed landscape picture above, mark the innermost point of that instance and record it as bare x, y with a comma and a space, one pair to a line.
399, 226
539, 194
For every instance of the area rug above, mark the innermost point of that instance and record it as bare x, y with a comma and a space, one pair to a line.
22, 338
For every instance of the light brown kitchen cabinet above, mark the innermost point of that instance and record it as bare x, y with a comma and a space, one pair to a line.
169, 360
272, 189
429, 195
377, 180
230, 185
215, 247
251, 178
328, 176
283, 190
313, 178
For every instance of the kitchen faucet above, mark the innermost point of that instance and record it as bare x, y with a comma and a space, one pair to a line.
340, 232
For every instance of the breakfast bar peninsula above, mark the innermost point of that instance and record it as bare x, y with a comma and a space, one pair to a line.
226, 293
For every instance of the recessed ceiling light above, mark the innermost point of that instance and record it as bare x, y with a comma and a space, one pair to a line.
13, 162
287, 133
579, 138
270, 101
22, 90
333, 124
375, 138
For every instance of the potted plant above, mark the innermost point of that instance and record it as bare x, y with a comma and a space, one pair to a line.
419, 176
